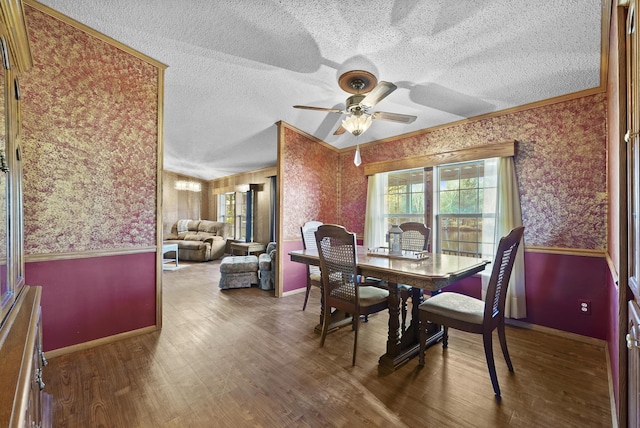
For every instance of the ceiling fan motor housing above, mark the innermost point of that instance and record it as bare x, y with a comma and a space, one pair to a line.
353, 104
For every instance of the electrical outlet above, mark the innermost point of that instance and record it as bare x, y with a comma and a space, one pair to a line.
585, 306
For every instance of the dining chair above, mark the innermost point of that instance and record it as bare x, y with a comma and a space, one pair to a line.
415, 236
308, 231
338, 267
461, 312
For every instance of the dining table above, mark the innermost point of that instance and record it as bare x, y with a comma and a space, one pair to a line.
412, 273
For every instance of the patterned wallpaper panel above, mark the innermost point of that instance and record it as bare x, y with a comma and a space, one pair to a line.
560, 164
310, 182
90, 142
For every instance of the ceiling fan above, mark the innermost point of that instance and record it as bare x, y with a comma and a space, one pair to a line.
367, 92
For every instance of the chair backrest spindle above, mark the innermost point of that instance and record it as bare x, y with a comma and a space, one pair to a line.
501, 273
339, 257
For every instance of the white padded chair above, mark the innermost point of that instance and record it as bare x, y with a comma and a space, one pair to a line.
308, 231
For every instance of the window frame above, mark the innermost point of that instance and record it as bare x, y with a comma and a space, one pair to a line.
404, 184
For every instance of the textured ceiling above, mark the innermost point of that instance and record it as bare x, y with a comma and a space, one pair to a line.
235, 67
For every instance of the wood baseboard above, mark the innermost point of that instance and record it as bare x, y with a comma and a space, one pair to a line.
93, 343
555, 332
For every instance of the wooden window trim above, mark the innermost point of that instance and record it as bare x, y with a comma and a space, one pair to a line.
505, 148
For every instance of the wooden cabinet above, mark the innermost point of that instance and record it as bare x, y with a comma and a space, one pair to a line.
23, 402
633, 199
633, 375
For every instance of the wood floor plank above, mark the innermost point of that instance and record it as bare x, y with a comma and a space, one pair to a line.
236, 358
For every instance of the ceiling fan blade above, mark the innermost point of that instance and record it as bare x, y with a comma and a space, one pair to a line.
394, 117
378, 93
341, 130
332, 110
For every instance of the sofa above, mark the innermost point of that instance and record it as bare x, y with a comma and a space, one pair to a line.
199, 240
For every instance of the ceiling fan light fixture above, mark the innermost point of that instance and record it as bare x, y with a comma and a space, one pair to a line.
357, 124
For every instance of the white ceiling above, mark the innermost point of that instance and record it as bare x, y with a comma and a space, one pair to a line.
235, 67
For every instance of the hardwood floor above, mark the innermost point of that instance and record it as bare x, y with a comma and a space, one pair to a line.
242, 358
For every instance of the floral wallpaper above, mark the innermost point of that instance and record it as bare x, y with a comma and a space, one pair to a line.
560, 165
311, 184
90, 143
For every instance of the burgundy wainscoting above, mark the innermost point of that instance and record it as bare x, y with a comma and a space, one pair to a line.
93, 298
556, 283
294, 274
471, 286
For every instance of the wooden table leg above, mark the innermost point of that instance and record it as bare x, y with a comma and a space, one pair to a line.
403, 345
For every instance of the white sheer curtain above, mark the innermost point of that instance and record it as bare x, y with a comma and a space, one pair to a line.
374, 223
508, 216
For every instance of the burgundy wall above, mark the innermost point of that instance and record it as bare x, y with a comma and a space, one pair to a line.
87, 299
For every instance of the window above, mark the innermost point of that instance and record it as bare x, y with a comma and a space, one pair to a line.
465, 218
241, 216
227, 209
233, 208
457, 201
404, 197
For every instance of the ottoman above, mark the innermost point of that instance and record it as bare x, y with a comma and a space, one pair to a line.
238, 272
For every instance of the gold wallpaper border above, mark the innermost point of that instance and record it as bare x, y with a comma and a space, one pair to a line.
50, 257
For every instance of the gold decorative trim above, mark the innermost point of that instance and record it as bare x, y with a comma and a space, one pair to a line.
61, 17
159, 190
102, 341
32, 258
13, 15
506, 148
566, 251
605, 28
280, 200
282, 123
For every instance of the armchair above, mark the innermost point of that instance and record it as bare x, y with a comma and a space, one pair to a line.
267, 267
